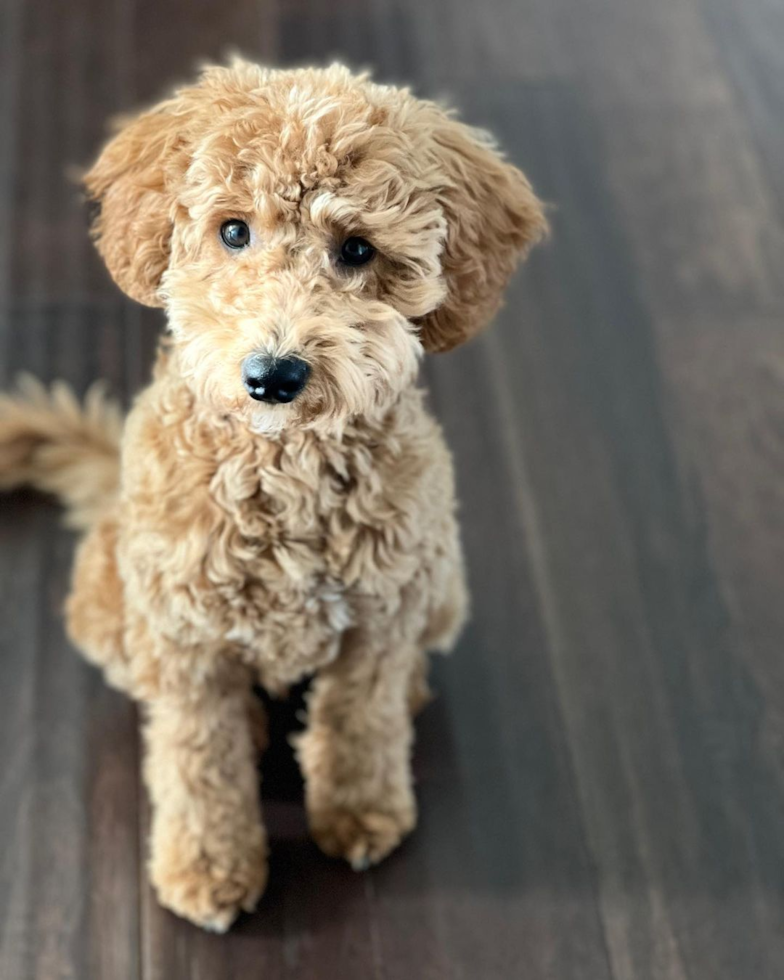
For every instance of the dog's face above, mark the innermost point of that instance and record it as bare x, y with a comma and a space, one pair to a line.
309, 234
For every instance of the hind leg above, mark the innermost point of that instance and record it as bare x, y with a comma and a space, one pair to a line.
448, 614
94, 609
445, 620
419, 693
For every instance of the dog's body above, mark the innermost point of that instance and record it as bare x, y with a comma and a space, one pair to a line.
268, 549
238, 536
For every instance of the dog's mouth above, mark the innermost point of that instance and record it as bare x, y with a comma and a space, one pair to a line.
270, 420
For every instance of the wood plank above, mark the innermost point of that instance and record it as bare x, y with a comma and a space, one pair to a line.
748, 37
710, 276
695, 200
659, 705
716, 298
599, 778
70, 862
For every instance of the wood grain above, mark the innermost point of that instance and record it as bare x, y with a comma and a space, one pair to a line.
600, 777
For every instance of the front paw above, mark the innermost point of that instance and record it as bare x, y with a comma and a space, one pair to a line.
209, 888
362, 836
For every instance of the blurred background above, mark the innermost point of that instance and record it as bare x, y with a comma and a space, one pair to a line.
601, 777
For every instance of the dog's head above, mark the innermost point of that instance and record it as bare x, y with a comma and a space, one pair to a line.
309, 233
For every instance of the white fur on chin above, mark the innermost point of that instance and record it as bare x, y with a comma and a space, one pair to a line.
270, 422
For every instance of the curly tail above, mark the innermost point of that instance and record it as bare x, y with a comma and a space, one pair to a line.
51, 442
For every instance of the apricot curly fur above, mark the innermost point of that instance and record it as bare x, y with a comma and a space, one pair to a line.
232, 542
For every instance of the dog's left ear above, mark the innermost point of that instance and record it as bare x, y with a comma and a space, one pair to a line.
493, 218
132, 185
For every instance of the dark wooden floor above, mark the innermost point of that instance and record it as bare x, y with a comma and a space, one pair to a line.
602, 776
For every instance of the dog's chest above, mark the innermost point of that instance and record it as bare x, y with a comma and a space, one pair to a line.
310, 530
314, 510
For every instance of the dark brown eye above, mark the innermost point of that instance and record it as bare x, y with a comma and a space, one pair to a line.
356, 251
235, 233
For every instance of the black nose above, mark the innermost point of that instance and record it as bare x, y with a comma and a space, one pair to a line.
274, 380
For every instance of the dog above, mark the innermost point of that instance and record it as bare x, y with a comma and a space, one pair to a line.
278, 503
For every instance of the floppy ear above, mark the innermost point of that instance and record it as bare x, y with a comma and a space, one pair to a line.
493, 218
133, 185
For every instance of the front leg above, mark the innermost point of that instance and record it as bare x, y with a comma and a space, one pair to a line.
208, 849
355, 754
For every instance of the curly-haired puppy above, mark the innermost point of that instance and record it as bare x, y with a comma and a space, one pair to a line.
278, 503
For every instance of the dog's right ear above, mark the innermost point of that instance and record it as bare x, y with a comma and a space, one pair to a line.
132, 186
